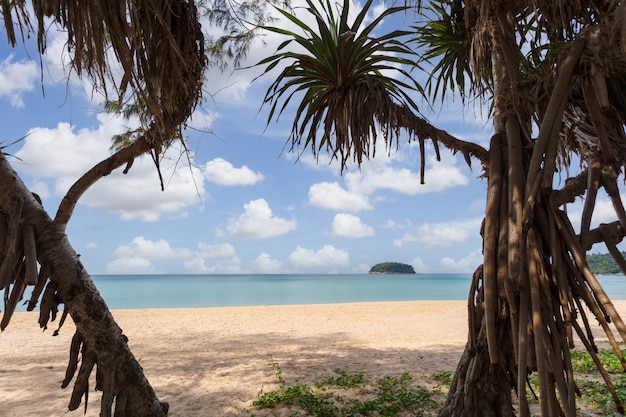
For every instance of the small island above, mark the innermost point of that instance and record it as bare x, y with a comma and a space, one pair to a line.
392, 268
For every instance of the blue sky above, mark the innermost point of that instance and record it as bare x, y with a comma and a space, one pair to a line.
245, 204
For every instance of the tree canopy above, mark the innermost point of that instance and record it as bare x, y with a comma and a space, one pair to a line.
392, 268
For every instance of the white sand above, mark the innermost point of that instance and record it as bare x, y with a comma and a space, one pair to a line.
214, 361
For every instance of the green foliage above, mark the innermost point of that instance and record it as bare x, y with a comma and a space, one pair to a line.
343, 380
583, 363
347, 395
392, 268
446, 44
444, 378
342, 67
603, 264
594, 393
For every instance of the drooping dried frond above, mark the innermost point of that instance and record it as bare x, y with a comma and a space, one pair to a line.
159, 46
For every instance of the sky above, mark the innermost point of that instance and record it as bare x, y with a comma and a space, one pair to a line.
242, 203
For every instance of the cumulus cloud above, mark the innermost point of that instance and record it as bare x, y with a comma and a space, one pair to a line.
604, 212
222, 172
217, 250
202, 120
227, 266
393, 225
350, 226
148, 249
141, 253
16, 78
441, 234
265, 264
326, 257
330, 195
419, 266
135, 265
257, 222
467, 264
440, 175
62, 154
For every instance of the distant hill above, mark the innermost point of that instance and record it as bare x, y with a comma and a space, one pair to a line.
391, 268
603, 264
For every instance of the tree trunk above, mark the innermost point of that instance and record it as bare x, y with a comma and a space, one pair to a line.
487, 370
530, 295
98, 337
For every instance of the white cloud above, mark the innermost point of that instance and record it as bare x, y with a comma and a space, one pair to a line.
135, 265
265, 264
148, 249
218, 250
139, 254
330, 195
138, 195
419, 266
257, 222
393, 225
222, 172
202, 120
439, 176
41, 189
468, 264
327, 257
64, 154
16, 78
441, 234
604, 212
351, 226
228, 266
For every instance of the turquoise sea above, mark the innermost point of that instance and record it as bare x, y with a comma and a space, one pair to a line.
181, 291
188, 291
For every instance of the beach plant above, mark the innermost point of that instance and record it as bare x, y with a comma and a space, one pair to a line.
551, 75
444, 378
350, 395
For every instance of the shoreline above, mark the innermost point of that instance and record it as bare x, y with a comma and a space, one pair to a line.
214, 361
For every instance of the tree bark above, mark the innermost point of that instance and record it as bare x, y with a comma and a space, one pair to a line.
119, 374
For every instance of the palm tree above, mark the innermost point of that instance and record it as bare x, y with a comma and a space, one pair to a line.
160, 47
556, 68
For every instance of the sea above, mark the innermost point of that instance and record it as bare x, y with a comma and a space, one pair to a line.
189, 291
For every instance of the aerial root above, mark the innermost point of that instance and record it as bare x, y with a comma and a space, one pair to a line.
107, 384
11, 245
81, 386
72, 364
13, 296
49, 305
42, 278
30, 254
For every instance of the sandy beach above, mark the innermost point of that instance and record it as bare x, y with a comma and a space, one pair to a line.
214, 361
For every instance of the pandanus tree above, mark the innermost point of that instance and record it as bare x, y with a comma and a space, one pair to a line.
552, 76
159, 47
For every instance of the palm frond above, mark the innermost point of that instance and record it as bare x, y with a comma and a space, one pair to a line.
341, 75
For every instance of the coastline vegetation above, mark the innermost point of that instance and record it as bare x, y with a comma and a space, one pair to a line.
603, 264
391, 268
350, 395
346, 394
